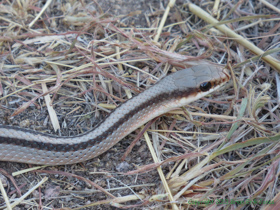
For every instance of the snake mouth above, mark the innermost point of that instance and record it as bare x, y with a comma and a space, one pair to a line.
226, 76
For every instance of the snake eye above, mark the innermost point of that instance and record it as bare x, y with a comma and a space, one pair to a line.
205, 86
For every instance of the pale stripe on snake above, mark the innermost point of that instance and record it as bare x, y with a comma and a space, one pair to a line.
173, 91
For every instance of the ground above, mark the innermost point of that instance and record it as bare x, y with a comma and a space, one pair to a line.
91, 56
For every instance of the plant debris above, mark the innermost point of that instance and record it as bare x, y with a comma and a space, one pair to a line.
64, 66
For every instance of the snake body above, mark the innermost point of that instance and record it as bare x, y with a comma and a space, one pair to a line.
173, 91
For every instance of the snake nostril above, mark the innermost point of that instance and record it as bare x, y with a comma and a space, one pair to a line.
205, 86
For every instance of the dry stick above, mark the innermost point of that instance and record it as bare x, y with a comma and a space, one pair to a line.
4, 195
51, 111
40, 13
270, 6
215, 7
160, 172
241, 40
19, 200
169, 6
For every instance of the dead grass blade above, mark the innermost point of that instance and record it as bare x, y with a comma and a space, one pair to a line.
228, 32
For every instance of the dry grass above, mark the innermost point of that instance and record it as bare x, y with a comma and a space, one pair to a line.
66, 65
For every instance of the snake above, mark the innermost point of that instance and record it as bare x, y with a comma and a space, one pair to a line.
173, 91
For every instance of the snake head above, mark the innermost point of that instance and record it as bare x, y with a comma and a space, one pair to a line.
202, 78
